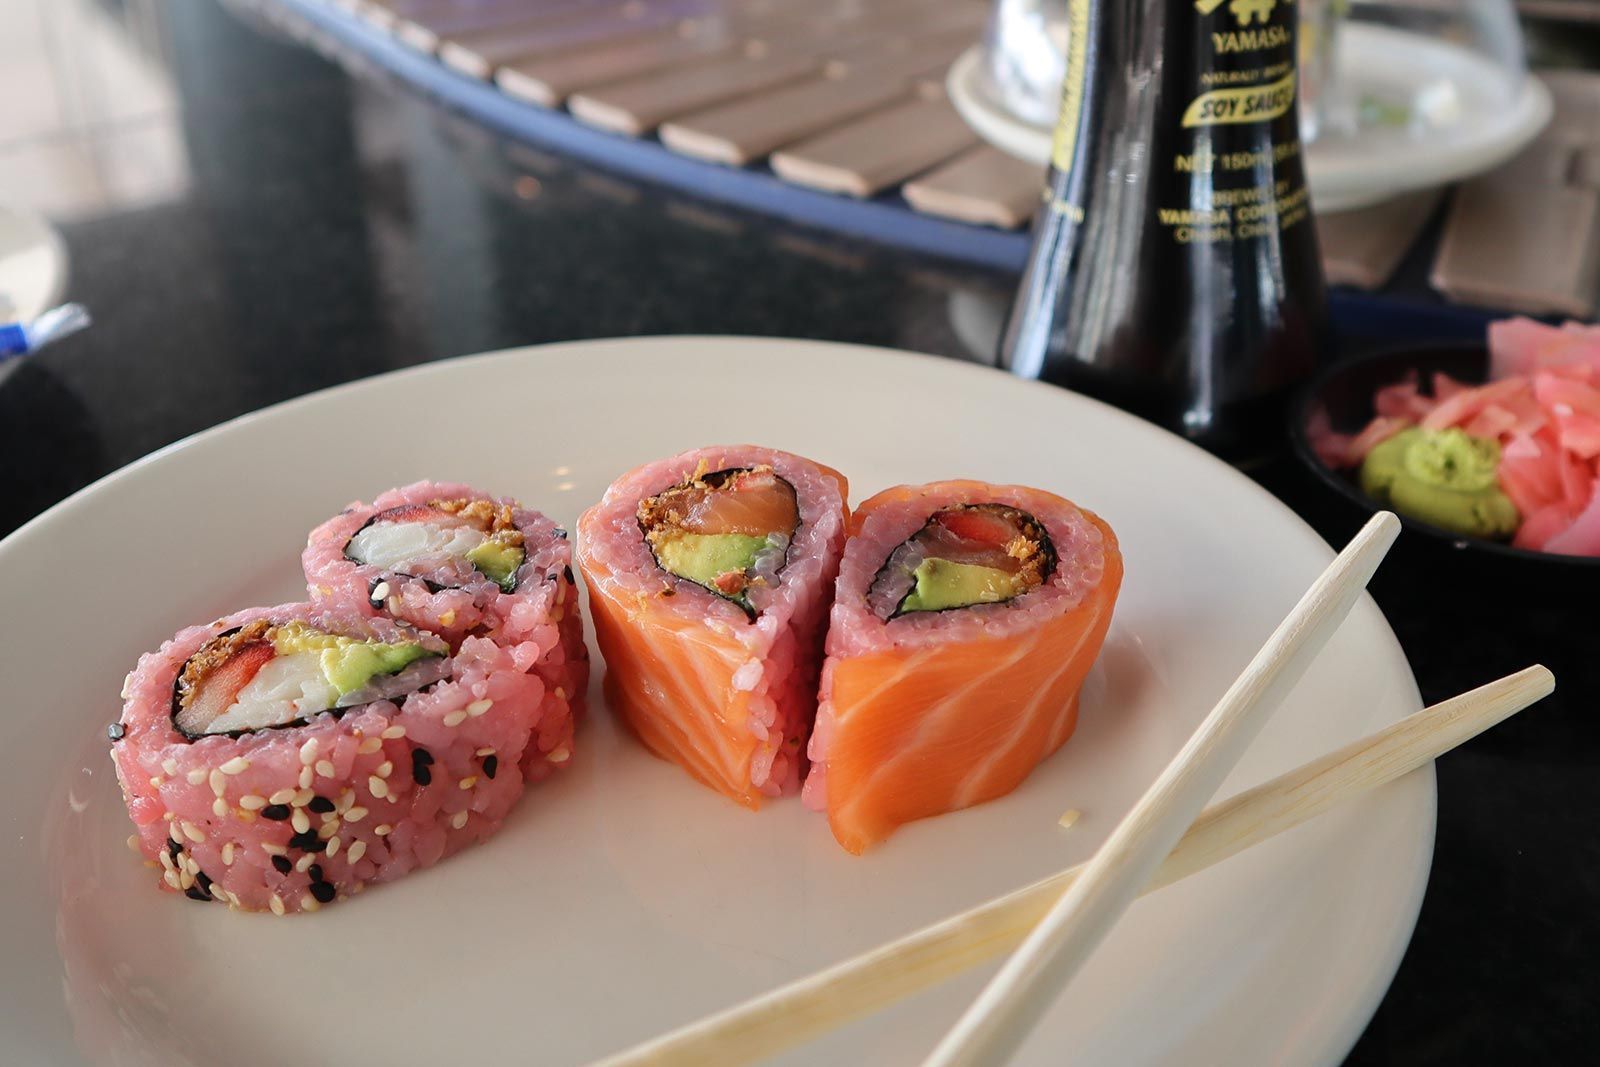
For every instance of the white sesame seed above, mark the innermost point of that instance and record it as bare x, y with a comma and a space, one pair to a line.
276, 903
227, 854
309, 903
328, 829
247, 816
455, 718
133, 842
219, 783
171, 767
273, 850
171, 878
308, 752
333, 846
347, 798
560, 755
468, 782
306, 777
196, 776
330, 816
187, 862
380, 591
393, 733
185, 881
369, 746
358, 848
219, 808
192, 832
304, 861
385, 769
217, 891
355, 814
458, 820
302, 798
166, 859
282, 796
324, 768
486, 751
157, 781
176, 831
478, 707
167, 815
383, 829
1068, 818
237, 765
300, 821
252, 802
378, 786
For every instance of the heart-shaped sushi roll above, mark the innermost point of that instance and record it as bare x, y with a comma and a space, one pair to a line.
709, 577
455, 561
965, 619
284, 757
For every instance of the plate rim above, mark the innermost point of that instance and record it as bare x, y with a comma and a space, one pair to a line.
1360, 1008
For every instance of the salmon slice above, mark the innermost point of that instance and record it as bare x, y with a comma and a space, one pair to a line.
929, 725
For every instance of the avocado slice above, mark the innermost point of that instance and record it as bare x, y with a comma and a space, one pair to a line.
703, 558
348, 663
498, 561
941, 584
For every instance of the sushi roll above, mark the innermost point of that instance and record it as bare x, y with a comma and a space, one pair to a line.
709, 578
282, 758
457, 562
965, 619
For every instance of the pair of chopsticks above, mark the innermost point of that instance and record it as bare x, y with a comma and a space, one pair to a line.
1060, 920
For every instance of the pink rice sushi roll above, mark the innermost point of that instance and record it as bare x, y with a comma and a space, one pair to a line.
455, 561
282, 758
709, 578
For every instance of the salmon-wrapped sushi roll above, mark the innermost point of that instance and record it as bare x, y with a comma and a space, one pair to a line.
709, 578
455, 561
282, 758
965, 620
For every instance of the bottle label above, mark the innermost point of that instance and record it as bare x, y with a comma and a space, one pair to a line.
1072, 85
1258, 103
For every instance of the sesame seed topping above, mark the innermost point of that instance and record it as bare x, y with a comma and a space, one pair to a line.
166, 860
217, 891
393, 733
276, 904
1068, 818
116, 731
219, 783
385, 769
133, 842
422, 755
358, 848
478, 707
468, 782
219, 808
486, 751
455, 718
320, 805
333, 846
281, 864
227, 854
237, 765
328, 829
246, 816
157, 781
378, 786
307, 842
170, 766
233, 899
323, 892
194, 777
383, 829
315, 871
458, 820
185, 880
187, 862
252, 802
282, 796
192, 832
308, 752
304, 861
380, 591
272, 850
171, 878
324, 768
308, 904
369, 746
560, 755
275, 812
302, 798
306, 777
300, 820
176, 831
347, 798
491, 764
355, 814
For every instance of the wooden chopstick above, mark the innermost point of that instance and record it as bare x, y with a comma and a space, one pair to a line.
812, 1006
999, 1020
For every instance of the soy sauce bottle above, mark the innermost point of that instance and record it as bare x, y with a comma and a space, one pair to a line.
1174, 269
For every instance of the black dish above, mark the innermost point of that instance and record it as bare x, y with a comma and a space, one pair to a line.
1345, 392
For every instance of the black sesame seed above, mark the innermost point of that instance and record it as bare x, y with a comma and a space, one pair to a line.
282, 864
566, 572
315, 871
490, 765
275, 812
421, 775
321, 805
323, 891
203, 880
173, 848
116, 731
308, 842
194, 892
422, 756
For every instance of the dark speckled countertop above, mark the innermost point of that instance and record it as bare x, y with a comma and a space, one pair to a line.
248, 224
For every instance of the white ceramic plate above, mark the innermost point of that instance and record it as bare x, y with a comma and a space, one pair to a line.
1373, 164
621, 898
